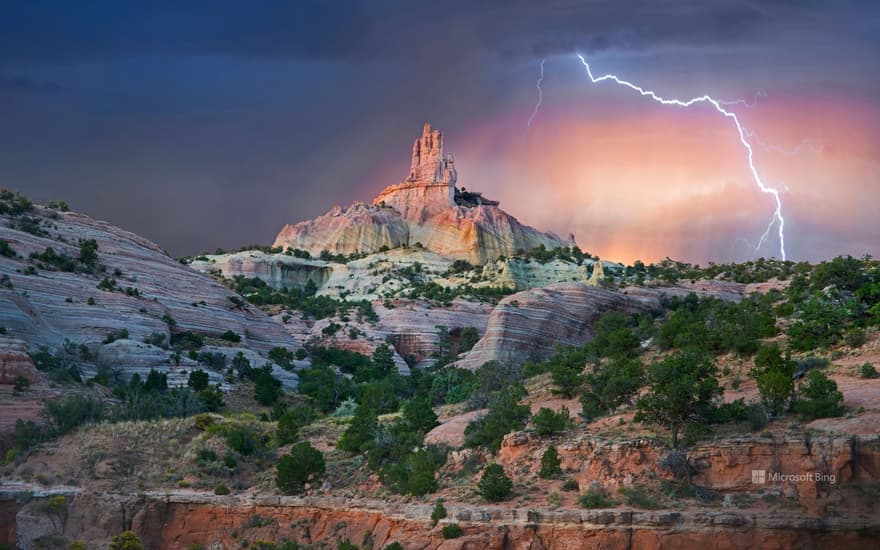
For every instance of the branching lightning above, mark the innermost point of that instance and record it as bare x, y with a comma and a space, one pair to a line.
806, 143
540, 95
743, 102
777, 214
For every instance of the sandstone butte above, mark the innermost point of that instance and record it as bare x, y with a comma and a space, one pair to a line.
425, 209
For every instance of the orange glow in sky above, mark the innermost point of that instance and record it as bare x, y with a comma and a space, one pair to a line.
649, 181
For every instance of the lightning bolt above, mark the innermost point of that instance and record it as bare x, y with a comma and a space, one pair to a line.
540, 95
806, 143
777, 214
743, 102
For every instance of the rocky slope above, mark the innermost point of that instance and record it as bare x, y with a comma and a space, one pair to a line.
425, 208
529, 325
48, 297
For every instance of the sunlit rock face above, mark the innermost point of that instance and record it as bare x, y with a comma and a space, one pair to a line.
425, 208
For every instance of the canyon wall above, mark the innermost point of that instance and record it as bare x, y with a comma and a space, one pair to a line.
179, 521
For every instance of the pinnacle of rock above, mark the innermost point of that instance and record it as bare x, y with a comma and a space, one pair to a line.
425, 208
429, 164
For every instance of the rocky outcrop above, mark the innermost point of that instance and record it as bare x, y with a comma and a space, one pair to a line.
277, 270
530, 325
421, 209
821, 474
522, 273
15, 362
144, 291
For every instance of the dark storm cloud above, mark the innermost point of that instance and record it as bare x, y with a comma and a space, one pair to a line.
64, 32
209, 123
26, 84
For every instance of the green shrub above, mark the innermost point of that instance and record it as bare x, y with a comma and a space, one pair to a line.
439, 512
413, 473
221, 490
419, 414
495, 486
267, 388
594, 499
452, 385
757, 417
242, 440
229, 461
819, 323
571, 485
67, 413
361, 431
206, 455
611, 385
211, 398
282, 357
505, 415
717, 326
548, 422
819, 397
88, 252
21, 384
681, 389
297, 468
127, 540
867, 370
230, 336
394, 546
198, 380
638, 496
6, 250
550, 463
452, 531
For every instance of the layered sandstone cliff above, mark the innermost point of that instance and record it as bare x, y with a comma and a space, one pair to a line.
133, 286
426, 208
530, 325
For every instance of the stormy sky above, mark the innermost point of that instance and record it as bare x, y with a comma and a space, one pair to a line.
208, 124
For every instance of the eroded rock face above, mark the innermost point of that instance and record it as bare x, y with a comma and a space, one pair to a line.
15, 361
817, 472
530, 325
42, 305
184, 519
421, 209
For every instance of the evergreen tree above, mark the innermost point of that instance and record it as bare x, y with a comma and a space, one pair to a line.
361, 431
682, 387
419, 414
773, 374
819, 397
495, 486
296, 469
550, 463
267, 388
382, 362
198, 380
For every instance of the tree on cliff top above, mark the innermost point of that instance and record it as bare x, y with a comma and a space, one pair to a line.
295, 470
681, 388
